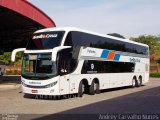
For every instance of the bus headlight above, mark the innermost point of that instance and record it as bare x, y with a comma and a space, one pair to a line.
45, 86
51, 85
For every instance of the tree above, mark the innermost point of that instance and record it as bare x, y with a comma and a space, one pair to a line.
6, 58
116, 35
19, 57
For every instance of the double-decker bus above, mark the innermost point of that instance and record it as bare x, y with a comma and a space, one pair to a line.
60, 61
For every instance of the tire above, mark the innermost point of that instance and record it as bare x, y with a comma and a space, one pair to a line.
97, 89
94, 88
81, 89
134, 83
139, 81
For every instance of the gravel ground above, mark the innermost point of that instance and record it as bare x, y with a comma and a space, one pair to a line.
13, 102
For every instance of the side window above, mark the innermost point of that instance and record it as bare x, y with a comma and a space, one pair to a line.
85, 67
65, 61
68, 41
73, 39
89, 66
92, 66
77, 39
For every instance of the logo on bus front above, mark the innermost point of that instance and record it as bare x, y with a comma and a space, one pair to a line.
32, 82
44, 36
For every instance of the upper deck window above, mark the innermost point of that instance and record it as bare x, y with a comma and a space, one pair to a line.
77, 39
45, 40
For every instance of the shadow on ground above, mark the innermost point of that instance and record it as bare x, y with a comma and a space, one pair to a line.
62, 97
143, 102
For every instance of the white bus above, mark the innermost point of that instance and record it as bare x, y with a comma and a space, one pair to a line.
60, 61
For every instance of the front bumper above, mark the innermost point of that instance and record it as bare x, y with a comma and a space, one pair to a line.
42, 91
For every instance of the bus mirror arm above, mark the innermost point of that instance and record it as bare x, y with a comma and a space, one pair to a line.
14, 52
56, 50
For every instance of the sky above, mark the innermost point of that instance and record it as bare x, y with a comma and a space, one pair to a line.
129, 18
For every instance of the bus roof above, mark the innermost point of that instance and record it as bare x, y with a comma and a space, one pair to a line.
67, 29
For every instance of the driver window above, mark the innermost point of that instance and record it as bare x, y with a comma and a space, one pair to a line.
64, 61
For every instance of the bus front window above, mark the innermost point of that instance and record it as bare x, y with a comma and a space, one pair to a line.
38, 66
45, 40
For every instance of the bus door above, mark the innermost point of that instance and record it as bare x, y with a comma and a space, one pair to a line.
63, 70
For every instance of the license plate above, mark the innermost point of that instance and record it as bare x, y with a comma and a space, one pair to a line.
34, 91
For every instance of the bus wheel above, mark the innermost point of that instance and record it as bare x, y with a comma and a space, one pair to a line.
97, 88
134, 82
139, 81
94, 88
81, 89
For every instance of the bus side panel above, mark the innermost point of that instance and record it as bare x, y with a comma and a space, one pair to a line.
142, 69
64, 84
74, 82
120, 79
146, 79
103, 78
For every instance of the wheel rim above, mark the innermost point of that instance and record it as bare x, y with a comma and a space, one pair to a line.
133, 83
82, 88
140, 82
95, 86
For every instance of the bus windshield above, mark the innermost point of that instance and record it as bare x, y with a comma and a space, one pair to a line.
45, 40
38, 66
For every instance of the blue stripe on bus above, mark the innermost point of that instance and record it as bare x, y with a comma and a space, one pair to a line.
117, 57
104, 54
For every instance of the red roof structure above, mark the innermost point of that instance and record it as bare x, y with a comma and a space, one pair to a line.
18, 20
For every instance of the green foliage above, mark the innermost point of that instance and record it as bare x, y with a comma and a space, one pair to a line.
6, 57
19, 58
157, 75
